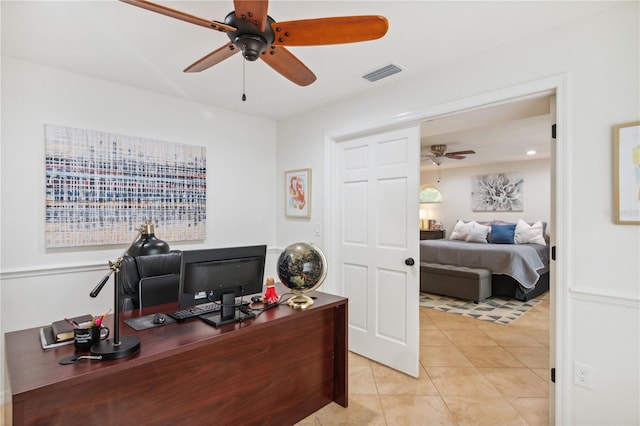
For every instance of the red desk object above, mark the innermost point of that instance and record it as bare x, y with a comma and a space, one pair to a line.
275, 369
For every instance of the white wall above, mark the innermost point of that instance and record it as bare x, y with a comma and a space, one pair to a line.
455, 186
600, 58
41, 285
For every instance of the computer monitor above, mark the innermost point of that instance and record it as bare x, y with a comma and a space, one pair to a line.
211, 275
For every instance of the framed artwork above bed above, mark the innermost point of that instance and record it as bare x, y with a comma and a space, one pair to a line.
501, 192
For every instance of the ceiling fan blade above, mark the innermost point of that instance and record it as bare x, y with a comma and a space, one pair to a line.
448, 154
180, 15
343, 29
213, 58
456, 157
284, 62
254, 11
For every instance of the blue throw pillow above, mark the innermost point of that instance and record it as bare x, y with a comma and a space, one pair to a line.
503, 234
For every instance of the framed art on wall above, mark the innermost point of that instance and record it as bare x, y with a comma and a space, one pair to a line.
626, 179
497, 193
298, 193
101, 186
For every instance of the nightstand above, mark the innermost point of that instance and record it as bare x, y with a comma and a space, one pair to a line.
434, 234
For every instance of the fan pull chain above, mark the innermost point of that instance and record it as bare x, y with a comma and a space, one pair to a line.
244, 63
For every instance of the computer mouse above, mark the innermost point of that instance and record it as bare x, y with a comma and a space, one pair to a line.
256, 299
159, 319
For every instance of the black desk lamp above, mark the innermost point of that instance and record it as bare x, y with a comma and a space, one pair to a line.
120, 347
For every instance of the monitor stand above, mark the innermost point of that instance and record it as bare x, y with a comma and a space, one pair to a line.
216, 319
229, 312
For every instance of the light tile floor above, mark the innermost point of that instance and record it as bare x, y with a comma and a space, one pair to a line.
471, 373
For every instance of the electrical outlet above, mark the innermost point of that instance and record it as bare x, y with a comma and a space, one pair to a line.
582, 375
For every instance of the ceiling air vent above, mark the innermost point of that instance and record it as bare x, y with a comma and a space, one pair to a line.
382, 72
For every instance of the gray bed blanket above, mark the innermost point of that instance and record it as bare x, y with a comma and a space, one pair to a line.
523, 262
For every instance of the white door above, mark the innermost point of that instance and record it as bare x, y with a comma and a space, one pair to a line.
377, 244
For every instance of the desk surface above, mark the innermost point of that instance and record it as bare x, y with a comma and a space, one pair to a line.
33, 371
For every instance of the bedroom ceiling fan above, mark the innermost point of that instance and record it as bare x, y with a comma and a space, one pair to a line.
254, 33
438, 154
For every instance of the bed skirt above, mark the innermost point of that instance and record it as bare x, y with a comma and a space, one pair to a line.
506, 286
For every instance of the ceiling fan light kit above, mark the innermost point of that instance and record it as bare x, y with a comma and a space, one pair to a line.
257, 35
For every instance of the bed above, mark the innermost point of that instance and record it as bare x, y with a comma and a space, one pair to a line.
519, 271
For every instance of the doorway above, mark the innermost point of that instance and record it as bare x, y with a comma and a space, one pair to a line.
553, 85
506, 137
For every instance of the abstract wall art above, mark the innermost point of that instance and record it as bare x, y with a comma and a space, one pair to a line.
497, 193
101, 187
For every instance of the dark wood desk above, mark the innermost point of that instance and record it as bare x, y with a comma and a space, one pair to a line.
275, 369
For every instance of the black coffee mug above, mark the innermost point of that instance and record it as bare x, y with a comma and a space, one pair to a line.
84, 338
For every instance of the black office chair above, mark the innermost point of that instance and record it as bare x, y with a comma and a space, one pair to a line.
149, 280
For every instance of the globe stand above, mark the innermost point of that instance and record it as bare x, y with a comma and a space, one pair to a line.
302, 267
300, 301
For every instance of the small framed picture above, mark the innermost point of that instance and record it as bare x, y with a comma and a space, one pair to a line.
298, 193
626, 157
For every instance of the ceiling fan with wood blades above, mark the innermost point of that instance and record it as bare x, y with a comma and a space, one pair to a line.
254, 33
438, 154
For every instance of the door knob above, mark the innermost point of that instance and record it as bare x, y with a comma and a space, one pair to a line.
409, 261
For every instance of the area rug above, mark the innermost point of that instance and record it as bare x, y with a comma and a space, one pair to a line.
494, 309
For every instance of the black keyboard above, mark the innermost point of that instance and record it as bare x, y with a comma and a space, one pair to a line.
194, 311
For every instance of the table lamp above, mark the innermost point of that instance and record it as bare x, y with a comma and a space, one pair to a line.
144, 243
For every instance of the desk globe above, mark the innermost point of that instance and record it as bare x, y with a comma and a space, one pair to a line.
302, 267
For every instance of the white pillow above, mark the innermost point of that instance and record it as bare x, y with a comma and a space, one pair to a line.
478, 233
461, 230
526, 233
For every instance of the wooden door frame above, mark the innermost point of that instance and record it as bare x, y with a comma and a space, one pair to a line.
561, 270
